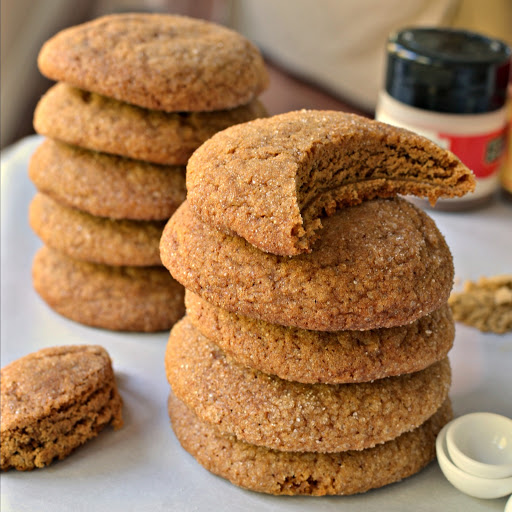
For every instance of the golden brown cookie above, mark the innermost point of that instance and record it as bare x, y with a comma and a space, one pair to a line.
270, 180
382, 263
319, 356
143, 299
314, 474
106, 185
53, 401
267, 411
157, 61
89, 120
96, 239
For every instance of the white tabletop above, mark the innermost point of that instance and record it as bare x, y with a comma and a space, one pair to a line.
142, 466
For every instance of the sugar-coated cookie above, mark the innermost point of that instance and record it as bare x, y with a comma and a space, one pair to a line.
319, 356
157, 61
143, 299
290, 416
382, 263
53, 401
106, 185
315, 474
271, 180
95, 239
99, 123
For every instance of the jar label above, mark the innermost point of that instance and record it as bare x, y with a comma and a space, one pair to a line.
483, 154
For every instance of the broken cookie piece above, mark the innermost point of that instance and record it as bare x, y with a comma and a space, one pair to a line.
53, 401
485, 304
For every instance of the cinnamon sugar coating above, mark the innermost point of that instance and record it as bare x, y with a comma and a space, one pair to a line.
271, 181
290, 416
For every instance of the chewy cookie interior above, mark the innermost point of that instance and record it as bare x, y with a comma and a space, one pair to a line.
335, 175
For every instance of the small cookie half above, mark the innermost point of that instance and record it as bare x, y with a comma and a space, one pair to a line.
270, 180
107, 185
95, 239
53, 401
314, 474
382, 263
99, 123
290, 416
324, 357
141, 299
157, 61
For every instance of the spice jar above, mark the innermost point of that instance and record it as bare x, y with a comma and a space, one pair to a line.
451, 86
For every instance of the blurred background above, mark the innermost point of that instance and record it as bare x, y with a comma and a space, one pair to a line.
321, 53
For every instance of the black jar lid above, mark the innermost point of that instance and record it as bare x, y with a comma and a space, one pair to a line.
447, 70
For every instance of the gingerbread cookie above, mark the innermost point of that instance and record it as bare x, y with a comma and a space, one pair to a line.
270, 180
382, 263
141, 299
96, 239
319, 356
105, 185
53, 401
89, 120
315, 474
290, 416
157, 61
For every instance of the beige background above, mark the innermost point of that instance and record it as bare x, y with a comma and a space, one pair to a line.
324, 53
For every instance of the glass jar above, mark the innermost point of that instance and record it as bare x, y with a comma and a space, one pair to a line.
451, 86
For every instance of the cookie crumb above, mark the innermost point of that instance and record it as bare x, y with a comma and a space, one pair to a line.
485, 304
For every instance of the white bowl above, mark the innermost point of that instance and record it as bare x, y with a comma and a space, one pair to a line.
485, 488
480, 443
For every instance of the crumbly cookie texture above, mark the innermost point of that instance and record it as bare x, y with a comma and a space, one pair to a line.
315, 474
485, 304
53, 401
324, 357
382, 263
127, 298
89, 120
107, 185
290, 416
95, 239
157, 61
271, 180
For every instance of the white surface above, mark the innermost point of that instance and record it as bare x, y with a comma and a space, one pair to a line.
142, 467
478, 487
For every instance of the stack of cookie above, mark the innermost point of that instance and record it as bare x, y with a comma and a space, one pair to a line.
313, 356
136, 95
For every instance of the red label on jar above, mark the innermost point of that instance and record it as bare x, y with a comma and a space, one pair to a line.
483, 154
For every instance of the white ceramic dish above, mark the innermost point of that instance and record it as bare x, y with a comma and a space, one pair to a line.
485, 488
480, 444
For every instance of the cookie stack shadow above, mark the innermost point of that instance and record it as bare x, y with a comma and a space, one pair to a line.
320, 369
126, 113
